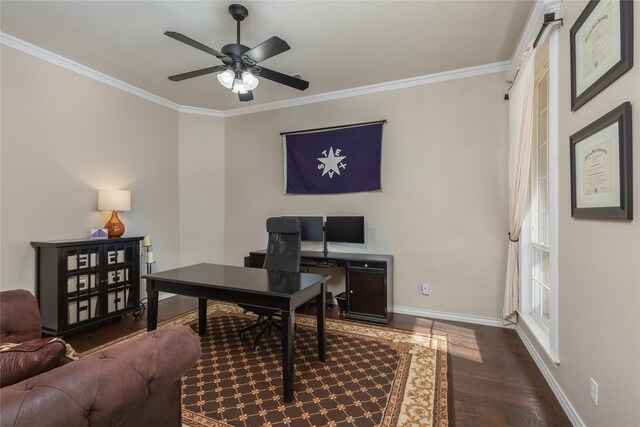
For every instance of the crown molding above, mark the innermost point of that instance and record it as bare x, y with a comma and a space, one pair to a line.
460, 73
54, 58
201, 111
530, 31
38, 52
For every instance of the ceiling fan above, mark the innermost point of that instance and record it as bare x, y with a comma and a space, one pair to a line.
240, 70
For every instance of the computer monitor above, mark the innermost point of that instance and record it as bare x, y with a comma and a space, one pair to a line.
345, 229
311, 228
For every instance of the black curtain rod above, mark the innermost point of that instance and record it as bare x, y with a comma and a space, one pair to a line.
548, 19
335, 127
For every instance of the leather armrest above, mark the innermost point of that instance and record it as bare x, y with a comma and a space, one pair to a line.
19, 316
101, 386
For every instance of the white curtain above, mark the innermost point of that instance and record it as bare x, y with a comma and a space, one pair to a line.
520, 136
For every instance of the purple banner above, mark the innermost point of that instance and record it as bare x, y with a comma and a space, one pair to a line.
334, 161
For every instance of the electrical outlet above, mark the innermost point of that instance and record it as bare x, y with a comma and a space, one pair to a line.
594, 390
426, 289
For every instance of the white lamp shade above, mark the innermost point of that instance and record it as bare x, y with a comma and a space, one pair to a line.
250, 81
238, 87
226, 78
114, 200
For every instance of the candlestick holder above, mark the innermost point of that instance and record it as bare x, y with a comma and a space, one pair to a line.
145, 254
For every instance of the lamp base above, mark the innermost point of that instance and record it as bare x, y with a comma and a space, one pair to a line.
114, 225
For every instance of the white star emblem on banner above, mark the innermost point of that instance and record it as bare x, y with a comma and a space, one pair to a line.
332, 163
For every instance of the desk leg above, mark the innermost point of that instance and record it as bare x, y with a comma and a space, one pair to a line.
288, 351
152, 308
202, 316
320, 315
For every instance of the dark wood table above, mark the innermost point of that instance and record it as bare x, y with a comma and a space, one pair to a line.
268, 289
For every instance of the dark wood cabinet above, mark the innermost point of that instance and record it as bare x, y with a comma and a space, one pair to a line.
81, 284
368, 281
366, 293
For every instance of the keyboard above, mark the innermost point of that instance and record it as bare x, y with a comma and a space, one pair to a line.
321, 263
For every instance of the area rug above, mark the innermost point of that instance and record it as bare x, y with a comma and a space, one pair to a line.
372, 376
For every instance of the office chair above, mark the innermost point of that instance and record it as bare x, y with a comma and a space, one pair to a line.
283, 254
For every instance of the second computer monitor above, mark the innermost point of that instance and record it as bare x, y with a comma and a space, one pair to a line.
311, 228
345, 229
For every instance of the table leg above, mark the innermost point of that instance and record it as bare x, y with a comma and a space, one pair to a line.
288, 351
152, 308
320, 315
202, 316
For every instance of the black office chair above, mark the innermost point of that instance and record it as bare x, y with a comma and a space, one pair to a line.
283, 254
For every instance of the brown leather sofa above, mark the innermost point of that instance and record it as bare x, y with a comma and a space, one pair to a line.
133, 383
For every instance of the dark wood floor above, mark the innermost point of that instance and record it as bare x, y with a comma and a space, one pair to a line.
495, 380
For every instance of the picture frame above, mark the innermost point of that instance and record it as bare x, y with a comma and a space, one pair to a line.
99, 233
601, 43
601, 167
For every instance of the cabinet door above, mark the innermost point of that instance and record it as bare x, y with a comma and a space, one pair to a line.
366, 293
80, 285
120, 276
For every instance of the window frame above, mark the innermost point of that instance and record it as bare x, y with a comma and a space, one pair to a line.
545, 333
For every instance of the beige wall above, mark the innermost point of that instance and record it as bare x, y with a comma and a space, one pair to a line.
64, 136
201, 189
442, 211
203, 186
599, 266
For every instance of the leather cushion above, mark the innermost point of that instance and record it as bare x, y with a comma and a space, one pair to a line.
25, 360
19, 316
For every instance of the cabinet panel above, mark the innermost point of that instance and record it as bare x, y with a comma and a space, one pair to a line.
117, 300
82, 283
366, 293
82, 310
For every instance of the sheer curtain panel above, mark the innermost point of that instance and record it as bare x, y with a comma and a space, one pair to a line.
520, 135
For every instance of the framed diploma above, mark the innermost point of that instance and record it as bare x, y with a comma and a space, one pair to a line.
601, 48
601, 175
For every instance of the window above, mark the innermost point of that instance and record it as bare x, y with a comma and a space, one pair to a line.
540, 250
539, 235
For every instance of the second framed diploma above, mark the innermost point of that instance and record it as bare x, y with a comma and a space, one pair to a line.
601, 175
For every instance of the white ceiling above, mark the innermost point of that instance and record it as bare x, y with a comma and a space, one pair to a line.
335, 45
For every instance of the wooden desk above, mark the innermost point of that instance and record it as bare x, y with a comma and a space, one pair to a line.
369, 281
268, 289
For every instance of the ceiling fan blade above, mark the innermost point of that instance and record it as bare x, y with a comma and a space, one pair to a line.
268, 48
196, 73
246, 96
283, 79
191, 42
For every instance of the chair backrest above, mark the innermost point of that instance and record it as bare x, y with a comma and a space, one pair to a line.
283, 247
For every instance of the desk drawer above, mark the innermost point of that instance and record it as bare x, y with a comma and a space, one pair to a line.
367, 265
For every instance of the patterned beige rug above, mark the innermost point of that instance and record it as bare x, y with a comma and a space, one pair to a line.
372, 376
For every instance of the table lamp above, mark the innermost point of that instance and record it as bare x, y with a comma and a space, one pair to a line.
114, 201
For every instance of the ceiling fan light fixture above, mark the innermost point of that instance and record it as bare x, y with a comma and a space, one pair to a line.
239, 71
226, 78
238, 86
250, 81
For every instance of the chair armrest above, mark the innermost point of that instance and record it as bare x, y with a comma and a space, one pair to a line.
100, 387
19, 316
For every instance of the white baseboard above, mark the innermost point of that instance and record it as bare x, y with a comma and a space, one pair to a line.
454, 317
571, 412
